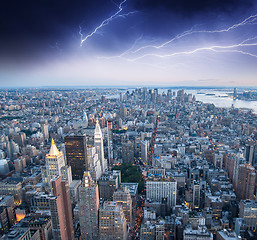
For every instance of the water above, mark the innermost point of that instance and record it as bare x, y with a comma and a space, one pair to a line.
222, 99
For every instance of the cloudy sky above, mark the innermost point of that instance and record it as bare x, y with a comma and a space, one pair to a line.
128, 43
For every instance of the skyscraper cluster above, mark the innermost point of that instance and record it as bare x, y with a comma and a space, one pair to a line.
125, 164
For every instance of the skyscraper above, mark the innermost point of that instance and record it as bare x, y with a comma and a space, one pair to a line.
76, 155
249, 153
98, 143
88, 207
94, 165
245, 182
196, 194
128, 151
61, 213
44, 129
123, 197
54, 163
55, 166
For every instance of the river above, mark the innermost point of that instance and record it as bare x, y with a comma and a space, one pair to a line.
222, 99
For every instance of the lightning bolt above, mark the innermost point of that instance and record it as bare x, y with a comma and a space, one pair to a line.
250, 20
105, 22
215, 48
124, 53
241, 48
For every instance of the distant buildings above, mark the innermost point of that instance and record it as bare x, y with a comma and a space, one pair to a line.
202, 179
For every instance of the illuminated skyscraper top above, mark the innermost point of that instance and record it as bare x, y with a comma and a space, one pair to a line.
53, 150
55, 166
54, 162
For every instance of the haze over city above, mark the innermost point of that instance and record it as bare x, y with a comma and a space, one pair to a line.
128, 43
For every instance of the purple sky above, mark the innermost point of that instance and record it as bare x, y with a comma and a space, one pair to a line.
129, 43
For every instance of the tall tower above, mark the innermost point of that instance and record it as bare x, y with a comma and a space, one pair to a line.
44, 130
245, 182
98, 142
123, 197
94, 165
88, 207
196, 195
76, 155
249, 152
61, 213
54, 163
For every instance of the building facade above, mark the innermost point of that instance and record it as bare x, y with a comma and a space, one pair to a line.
88, 207
123, 197
157, 190
76, 155
61, 212
98, 143
112, 222
245, 182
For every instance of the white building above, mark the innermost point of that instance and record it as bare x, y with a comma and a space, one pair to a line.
98, 142
55, 166
167, 188
201, 234
94, 164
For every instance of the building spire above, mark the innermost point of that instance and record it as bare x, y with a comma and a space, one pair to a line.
53, 150
98, 131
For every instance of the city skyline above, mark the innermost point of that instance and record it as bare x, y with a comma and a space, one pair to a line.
178, 167
128, 43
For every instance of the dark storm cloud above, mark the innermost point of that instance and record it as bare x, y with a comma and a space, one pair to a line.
31, 29
193, 7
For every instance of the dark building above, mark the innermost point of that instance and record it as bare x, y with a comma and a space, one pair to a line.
108, 183
40, 222
61, 212
245, 182
6, 219
76, 155
128, 152
250, 151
